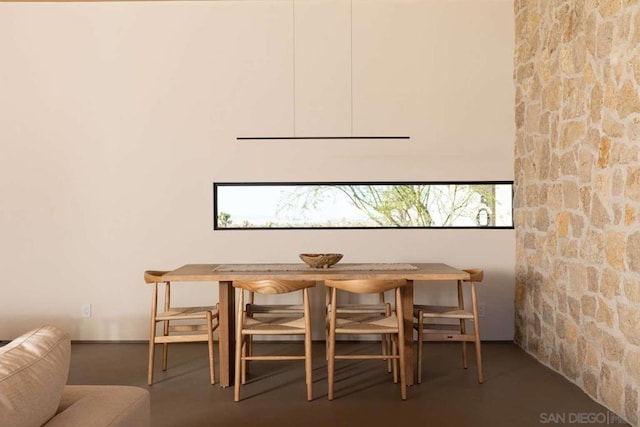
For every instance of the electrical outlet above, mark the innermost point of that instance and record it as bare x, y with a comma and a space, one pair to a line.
86, 310
482, 309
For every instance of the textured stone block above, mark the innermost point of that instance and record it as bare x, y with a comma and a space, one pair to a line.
628, 99
608, 8
603, 152
570, 195
593, 334
542, 219
615, 249
570, 331
632, 364
613, 348
632, 190
593, 279
577, 226
569, 361
629, 319
604, 39
617, 186
610, 386
599, 216
586, 161
562, 223
631, 404
592, 248
590, 383
574, 310
612, 126
588, 304
604, 313
633, 251
632, 289
572, 133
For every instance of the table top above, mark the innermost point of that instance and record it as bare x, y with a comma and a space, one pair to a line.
420, 271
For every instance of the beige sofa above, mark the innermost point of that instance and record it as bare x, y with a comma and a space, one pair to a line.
33, 391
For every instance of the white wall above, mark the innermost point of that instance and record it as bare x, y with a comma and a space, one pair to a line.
115, 119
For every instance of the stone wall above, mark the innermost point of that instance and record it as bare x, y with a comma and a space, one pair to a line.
577, 201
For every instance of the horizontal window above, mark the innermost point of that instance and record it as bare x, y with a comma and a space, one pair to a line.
337, 205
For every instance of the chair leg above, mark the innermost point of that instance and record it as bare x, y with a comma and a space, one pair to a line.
476, 331
151, 357
308, 370
331, 364
332, 345
478, 356
386, 350
152, 347
463, 331
327, 301
212, 361
462, 324
152, 334
403, 368
246, 364
243, 363
403, 375
249, 351
420, 342
326, 350
394, 352
165, 347
307, 365
236, 386
239, 339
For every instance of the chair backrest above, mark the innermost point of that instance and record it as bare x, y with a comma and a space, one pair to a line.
365, 286
153, 276
475, 275
272, 287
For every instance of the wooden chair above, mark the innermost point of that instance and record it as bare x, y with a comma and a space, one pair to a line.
288, 324
253, 309
180, 324
381, 308
448, 331
367, 323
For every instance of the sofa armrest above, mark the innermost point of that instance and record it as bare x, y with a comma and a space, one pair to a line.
103, 405
33, 373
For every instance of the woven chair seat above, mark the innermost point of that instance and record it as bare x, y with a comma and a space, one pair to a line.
176, 313
367, 324
380, 308
438, 327
273, 325
275, 309
445, 312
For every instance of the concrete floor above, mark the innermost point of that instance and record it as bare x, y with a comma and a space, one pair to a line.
518, 391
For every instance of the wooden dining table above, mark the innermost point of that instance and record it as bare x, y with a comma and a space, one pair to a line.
225, 274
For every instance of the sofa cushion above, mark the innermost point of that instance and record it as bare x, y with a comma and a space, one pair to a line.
102, 406
33, 371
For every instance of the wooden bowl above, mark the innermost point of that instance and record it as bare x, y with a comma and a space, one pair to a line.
320, 260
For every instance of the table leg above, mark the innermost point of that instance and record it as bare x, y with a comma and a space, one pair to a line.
407, 299
226, 333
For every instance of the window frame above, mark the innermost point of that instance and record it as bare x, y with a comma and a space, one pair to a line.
216, 185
